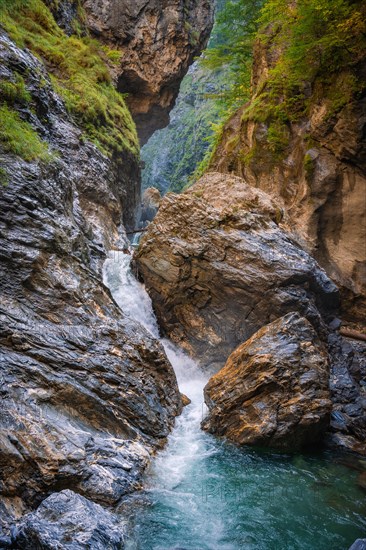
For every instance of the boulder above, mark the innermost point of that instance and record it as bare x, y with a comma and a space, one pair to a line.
219, 263
68, 521
151, 198
273, 390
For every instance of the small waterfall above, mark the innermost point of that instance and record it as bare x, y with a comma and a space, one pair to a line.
204, 494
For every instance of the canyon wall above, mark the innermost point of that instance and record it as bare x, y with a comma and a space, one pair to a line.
87, 393
316, 166
158, 41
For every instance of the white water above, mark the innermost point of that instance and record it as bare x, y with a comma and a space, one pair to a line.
203, 494
187, 444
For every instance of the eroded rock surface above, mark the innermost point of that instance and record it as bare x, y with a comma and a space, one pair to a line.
86, 393
219, 265
319, 176
66, 520
158, 41
273, 390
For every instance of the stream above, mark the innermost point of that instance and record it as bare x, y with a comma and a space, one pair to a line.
202, 493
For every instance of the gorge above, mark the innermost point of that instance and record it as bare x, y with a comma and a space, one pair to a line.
208, 389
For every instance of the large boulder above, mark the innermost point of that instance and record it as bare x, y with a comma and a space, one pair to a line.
219, 263
273, 390
68, 521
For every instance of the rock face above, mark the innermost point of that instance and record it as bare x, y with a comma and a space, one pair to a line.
65, 517
150, 204
158, 41
86, 393
319, 178
273, 390
219, 266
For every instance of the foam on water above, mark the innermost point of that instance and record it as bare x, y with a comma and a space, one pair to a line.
204, 494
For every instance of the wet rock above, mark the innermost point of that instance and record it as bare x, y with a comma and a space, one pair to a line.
359, 544
158, 41
347, 379
219, 264
185, 400
86, 393
273, 390
66, 520
151, 199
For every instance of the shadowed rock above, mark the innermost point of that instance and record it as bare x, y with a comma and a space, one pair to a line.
219, 264
69, 521
273, 390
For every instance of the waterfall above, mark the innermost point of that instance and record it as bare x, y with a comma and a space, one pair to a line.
204, 494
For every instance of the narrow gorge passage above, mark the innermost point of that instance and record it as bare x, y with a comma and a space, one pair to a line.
202, 493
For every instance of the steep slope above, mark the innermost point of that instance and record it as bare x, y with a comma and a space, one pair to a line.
301, 137
158, 41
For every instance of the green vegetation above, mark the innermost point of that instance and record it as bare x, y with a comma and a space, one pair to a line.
4, 180
14, 92
231, 47
19, 138
317, 43
80, 73
315, 47
172, 154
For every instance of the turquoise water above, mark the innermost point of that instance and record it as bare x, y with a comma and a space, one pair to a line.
204, 494
234, 499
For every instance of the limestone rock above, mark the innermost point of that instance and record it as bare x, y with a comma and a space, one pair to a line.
273, 390
185, 400
218, 266
67, 521
86, 393
322, 185
151, 199
158, 40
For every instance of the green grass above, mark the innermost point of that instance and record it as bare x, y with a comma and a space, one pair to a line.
80, 74
19, 138
12, 92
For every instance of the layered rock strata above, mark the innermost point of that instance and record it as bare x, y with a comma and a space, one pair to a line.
158, 41
273, 390
86, 393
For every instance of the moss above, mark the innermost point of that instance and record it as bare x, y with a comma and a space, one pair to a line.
11, 92
278, 138
4, 178
80, 70
309, 166
19, 138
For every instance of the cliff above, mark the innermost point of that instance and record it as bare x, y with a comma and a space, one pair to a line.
301, 137
158, 41
87, 393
